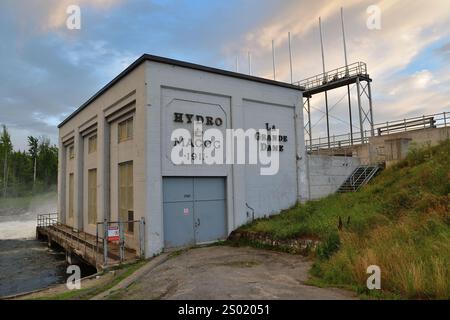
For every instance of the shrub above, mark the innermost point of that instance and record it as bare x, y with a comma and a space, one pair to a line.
331, 244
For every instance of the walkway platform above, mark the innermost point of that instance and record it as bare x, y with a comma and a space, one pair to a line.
83, 245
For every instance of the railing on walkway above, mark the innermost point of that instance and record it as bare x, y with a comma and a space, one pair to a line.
354, 69
117, 232
113, 242
47, 219
437, 120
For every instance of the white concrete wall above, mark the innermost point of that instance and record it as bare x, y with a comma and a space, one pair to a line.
327, 173
124, 97
152, 92
268, 194
177, 89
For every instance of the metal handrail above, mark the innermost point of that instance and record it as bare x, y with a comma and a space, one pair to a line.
51, 221
104, 240
47, 219
437, 120
367, 173
354, 69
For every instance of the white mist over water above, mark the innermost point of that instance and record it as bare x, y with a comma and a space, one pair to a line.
20, 222
25, 263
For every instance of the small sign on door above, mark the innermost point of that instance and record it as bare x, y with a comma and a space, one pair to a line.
186, 211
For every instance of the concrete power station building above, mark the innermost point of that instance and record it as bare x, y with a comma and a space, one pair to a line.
115, 155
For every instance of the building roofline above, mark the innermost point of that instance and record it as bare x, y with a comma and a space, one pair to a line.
149, 57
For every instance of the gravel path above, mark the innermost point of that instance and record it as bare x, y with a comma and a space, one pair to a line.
222, 272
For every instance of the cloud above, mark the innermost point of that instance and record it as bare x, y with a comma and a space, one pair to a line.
408, 28
48, 70
51, 15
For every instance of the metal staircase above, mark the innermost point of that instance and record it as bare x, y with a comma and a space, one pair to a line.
358, 178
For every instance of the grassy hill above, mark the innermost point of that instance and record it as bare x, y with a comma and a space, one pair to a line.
400, 222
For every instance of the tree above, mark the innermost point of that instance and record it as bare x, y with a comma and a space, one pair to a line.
48, 158
6, 148
33, 144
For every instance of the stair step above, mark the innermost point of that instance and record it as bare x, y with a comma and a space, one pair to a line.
360, 176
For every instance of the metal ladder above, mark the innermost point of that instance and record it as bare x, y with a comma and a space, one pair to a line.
359, 177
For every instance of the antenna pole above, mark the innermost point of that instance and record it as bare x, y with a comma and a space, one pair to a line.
343, 38
237, 63
273, 60
324, 80
290, 55
321, 45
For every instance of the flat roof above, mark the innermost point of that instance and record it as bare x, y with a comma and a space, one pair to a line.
184, 64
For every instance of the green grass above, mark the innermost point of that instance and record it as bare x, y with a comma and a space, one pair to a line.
400, 222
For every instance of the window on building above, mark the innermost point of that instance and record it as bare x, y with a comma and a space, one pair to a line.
92, 196
126, 193
71, 190
125, 130
71, 152
92, 144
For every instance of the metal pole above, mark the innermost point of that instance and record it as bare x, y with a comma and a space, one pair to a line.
328, 120
273, 60
290, 55
359, 109
350, 113
372, 132
249, 64
121, 241
96, 244
237, 63
321, 46
105, 242
324, 78
343, 38
142, 237
309, 124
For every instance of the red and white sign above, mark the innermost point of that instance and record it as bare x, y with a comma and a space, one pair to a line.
113, 234
186, 211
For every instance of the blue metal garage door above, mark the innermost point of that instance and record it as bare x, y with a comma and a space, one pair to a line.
194, 210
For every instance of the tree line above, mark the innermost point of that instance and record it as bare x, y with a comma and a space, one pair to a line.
28, 171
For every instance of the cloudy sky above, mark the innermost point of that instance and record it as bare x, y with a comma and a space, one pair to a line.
48, 70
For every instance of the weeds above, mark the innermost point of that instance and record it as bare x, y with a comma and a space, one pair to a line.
400, 222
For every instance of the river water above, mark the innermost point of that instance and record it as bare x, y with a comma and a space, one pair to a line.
27, 264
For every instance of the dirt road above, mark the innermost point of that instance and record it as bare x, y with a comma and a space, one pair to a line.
222, 272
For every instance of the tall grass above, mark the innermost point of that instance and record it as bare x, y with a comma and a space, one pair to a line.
400, 222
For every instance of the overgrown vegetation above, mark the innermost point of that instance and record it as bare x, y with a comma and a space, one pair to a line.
23, 173
400, 222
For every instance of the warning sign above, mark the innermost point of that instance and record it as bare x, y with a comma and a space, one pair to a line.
113, 234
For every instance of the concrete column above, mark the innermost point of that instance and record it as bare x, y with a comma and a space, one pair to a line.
103, 152
302, 160
62, 161
154, 214
78, 180
236, 192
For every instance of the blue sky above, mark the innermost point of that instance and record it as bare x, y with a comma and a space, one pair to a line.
49, 70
